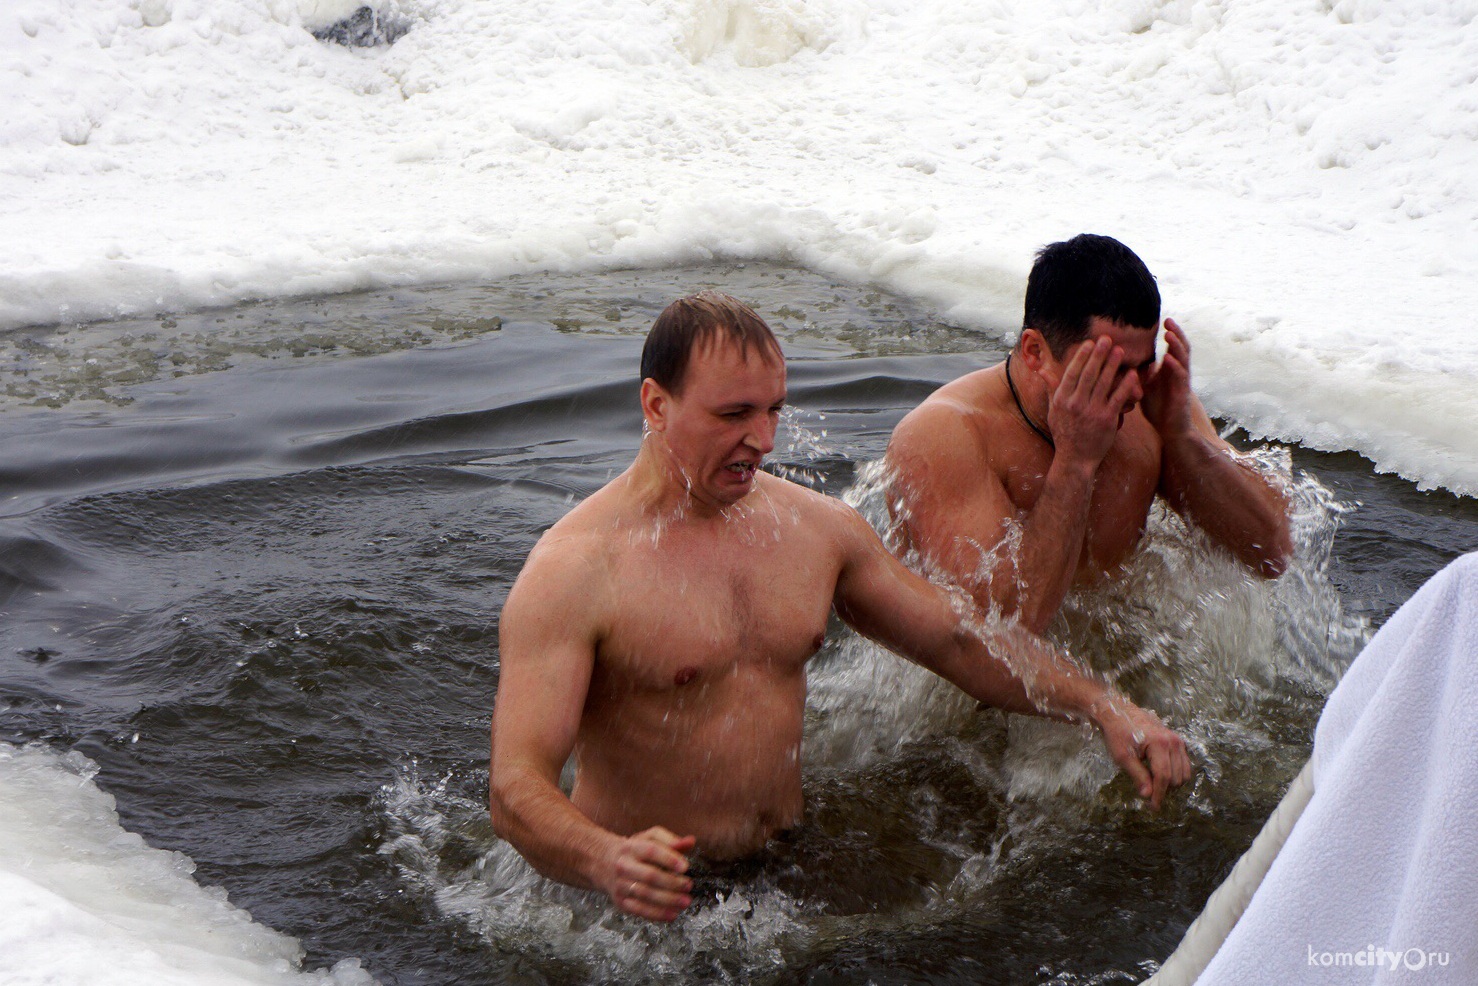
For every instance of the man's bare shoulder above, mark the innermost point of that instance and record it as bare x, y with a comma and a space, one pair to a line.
589, 520
569, 569
951, 430
827, 521
809, 507
823, 522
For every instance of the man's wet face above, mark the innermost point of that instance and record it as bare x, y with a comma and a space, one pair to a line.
1138, 347
722, 423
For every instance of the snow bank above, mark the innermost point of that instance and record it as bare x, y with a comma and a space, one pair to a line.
1298, 174
86, 902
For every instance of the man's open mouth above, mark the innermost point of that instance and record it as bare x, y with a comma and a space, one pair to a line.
744, 470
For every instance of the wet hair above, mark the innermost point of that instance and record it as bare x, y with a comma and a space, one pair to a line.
699, 320
1088, 275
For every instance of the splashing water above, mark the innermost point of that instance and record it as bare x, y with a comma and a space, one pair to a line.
922, 808
1184, 630
440, 840
800, 447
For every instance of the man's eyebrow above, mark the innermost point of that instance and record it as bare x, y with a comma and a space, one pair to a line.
747, 405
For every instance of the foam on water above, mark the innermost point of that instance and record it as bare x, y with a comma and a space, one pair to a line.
87, 902
1297, 174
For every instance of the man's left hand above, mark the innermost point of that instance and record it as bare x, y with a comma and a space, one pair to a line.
1153, 755
1167, 389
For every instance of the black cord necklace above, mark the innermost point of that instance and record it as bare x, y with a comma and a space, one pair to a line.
1024, 416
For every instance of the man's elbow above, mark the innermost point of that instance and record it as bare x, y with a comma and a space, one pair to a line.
1272, 566
1272, 560
500, 795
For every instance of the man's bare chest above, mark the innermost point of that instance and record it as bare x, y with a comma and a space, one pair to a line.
1124, 489
689, 618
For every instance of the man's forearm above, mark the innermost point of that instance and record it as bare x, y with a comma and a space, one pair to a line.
1042, 681
1034, 581
557, 839
1008, 667
999, 663
1230, 500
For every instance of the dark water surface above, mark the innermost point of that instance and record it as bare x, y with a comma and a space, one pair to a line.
251, 562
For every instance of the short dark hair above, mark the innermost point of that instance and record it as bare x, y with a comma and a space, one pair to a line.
1088, 275
696, 321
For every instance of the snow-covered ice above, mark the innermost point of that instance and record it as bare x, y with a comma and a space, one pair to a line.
86, 902
1298, 174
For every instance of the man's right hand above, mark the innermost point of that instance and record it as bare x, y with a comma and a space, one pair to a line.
1084, 414
644, 874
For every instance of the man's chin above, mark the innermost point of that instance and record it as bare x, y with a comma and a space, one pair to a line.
738, 491
731, 488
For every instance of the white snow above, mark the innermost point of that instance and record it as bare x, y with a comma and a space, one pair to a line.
1298, 173
89, 904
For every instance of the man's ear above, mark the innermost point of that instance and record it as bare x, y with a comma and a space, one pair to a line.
656, 405
1033, 349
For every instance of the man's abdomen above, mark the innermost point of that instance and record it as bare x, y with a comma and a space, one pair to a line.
724, 767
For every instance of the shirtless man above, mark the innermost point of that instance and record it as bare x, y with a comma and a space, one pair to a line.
660, 633
1069, 441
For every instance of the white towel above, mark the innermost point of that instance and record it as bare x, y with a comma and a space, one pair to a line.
1378, 881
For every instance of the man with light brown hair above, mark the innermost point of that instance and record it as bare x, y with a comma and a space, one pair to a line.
660, 633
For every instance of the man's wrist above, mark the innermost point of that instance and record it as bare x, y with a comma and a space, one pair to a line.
1080, 696
1104, 704
597, 860
1072, 469
1180, 428
1185, 443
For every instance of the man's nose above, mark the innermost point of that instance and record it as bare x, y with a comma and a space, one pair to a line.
1136, 389
761, 436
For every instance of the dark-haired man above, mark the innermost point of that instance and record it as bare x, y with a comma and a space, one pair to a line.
660, 633
1069, 441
